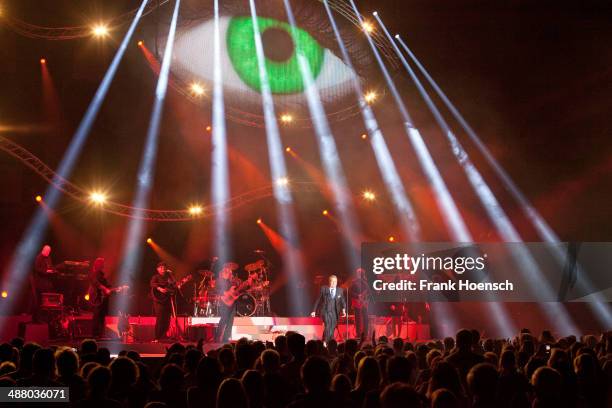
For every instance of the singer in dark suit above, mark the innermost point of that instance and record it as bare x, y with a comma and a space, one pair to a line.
330, 305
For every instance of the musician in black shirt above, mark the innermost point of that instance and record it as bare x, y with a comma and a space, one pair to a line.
98, 296
41, 279
360, 299
162, 289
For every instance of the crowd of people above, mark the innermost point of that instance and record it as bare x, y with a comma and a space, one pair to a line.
461, 372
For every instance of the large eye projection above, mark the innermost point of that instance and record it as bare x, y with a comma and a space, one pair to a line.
194, 61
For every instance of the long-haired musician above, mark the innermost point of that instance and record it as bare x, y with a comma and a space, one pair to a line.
99, 293
227, 307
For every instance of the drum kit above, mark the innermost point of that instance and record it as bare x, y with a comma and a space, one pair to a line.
255, 301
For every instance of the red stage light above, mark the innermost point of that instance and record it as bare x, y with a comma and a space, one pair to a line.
149, 241
391, 238
259, 220
38, 199
43, 61
140, 43
86, 297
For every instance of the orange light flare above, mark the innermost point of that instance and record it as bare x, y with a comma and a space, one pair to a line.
153, 62
4, 294
209, 128
364, 136
149, 241
86, 297
51, 103
43, 61
325, 212
277, 241
391, 238
38, 199
174, 263
368, 195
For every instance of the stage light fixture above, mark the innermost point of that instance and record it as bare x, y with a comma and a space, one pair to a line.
325, 212
370, 96
286, 118
288, 150
38, 199
4, 294
140, 43
99, 30
364, 136
368, 195
391, 238
149, 240
367, 27
208, 128
97, 197
197, 89
86, 297
43, 61
195, 210
259, 221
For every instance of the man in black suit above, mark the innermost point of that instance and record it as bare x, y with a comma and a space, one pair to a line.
330, 304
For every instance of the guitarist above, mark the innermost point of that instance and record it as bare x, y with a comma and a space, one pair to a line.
99, 292
162, 288
227, 288
360, 299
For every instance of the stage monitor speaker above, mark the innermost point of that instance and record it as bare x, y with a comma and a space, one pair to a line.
51, 300
143, 333
34, 332
202, 331
81, 327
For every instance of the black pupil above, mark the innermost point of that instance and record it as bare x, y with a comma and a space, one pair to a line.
277, 44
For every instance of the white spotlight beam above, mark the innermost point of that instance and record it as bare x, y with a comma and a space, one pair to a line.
599, 305
329, 156
451, 215
132, 249
220, 173
524, 260
291, 256
393, 182
24, 254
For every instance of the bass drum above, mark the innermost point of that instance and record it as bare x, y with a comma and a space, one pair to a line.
246, 305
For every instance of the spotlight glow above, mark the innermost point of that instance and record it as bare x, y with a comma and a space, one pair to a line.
283, 181
4, 294
391, 238
208, 128
367, 26
368, 195
364, 136
195, 210
325, 212
97, 197
286, 118
86, 297
99, 30
38, 199
149, 240
43, 61
288, 150
370, 96
140, 43
259, 221
197, 89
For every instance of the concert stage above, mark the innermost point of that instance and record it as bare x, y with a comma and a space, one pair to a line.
192, 329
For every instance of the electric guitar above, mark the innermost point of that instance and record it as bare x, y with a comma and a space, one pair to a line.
97, 300
229, 296
171, 289
359, 301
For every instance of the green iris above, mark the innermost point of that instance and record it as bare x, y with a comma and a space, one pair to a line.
283, 72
